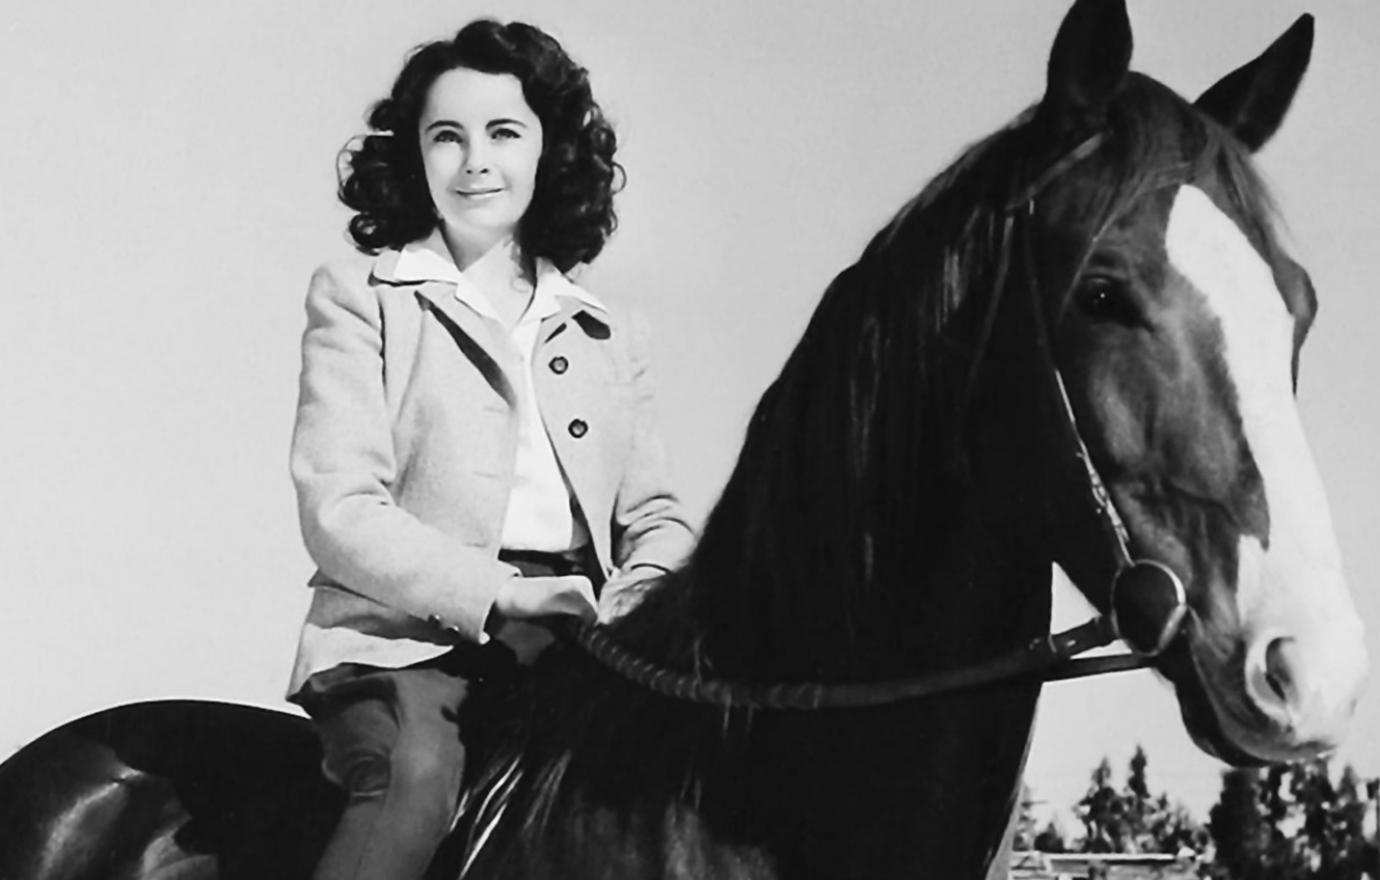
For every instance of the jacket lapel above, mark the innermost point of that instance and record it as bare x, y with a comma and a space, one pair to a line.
477, 336
591, 318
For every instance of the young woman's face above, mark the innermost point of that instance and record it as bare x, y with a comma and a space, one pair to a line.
480, 146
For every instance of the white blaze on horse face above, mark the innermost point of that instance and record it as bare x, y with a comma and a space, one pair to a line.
1305, 651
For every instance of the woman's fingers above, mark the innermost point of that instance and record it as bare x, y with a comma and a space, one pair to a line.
524, 598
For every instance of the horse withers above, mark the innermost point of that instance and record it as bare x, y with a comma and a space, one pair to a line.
1078, 344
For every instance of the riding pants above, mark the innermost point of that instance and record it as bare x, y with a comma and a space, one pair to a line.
390, 739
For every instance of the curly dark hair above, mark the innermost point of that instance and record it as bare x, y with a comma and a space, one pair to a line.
571, 213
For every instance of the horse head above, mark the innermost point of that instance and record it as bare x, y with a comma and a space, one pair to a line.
1175, 318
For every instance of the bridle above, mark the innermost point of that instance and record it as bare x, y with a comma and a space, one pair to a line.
1147, 600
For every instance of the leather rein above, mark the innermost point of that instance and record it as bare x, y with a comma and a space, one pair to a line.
1049, 658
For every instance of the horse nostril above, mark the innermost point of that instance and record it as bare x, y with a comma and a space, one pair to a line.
1302, 685
1277, 672
1272, 679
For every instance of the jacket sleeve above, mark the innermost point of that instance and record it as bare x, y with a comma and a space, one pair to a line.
650, 530
343, 465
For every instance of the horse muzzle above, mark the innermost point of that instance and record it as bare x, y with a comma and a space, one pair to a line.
1287, 686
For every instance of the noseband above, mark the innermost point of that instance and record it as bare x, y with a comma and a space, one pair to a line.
1147, 602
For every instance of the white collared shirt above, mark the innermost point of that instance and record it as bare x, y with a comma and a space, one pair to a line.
540, 514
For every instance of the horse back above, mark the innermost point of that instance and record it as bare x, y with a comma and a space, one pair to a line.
174, 788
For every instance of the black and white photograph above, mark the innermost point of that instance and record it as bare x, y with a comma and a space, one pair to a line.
744, 439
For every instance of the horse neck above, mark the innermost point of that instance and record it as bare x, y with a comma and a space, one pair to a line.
964, 590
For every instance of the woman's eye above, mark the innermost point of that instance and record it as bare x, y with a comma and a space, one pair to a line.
446, 136
1105, 299
503, 134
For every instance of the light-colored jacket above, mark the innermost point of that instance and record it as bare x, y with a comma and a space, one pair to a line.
404, 447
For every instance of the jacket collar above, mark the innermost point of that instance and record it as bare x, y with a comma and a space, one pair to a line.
427, 262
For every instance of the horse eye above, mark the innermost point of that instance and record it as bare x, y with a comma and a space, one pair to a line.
1104, 299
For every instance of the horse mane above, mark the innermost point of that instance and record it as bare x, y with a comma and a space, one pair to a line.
849, 507
848, 460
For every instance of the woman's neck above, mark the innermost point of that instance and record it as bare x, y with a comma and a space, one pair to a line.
500, 275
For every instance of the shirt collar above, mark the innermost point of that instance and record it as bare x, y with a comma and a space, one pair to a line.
426, 259
429, 260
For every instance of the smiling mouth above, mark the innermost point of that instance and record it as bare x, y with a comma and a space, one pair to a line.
477, 193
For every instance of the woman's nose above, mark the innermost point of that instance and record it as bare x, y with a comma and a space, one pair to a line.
476, 162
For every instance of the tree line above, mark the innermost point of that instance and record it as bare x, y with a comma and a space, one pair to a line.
1291, 822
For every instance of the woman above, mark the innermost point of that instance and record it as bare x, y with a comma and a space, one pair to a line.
475, 446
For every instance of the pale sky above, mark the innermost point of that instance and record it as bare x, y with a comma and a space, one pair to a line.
167, 186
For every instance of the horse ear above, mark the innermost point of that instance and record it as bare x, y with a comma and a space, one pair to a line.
1252, 100
1088, 62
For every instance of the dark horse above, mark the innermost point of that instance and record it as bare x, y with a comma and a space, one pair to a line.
1108, 261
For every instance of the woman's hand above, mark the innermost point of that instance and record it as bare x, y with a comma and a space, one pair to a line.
523, 598
623, 591
522, 603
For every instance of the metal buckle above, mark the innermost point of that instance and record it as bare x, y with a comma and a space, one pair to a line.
1148, 606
